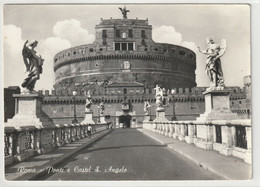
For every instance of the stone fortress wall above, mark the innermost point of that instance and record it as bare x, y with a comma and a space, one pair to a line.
188, 103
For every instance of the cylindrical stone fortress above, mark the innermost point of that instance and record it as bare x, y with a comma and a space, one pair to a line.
124, 52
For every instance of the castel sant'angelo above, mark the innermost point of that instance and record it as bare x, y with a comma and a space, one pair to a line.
124, 52
121, 69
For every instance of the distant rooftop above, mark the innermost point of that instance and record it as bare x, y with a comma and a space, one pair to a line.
123, 21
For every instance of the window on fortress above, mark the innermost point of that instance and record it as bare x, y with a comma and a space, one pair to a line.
143, 34
191, 56
143, 42
91, 50
182, 52
118, 33
124, 48
104, 41
104, 33
117, 46
130, 47
130, 33
74, 52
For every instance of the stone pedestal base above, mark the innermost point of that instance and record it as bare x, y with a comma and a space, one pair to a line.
60, 143
23, 156
29, 113
160, 116
148, 125
146, 119
217, 106
222, 149
154, 127
88, 118
217, 146
45, 150
244, 154
189, 139
226, 151
181, 138
204, 145
9, 160
175, 136
102, 119
248, 157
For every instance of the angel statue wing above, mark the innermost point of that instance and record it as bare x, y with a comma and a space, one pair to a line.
223, 46
25, 54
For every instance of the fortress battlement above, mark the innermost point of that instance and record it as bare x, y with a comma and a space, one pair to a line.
181, 95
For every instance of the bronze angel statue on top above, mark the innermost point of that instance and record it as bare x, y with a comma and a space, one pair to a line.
33, 64
124, 12
213, 63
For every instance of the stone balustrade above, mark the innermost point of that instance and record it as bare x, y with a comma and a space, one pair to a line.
20, 144
228, 137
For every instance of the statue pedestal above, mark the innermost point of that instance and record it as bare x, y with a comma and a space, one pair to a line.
217, 106
29, 112
88, 117
160, 115
146, 119
147, 123
30, 120
102, 119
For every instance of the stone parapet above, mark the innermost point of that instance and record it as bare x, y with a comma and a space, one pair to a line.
28, 142
228, 137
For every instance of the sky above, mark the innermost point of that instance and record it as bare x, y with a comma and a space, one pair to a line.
58, 27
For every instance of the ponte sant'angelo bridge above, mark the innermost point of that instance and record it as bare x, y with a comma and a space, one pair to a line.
37, 148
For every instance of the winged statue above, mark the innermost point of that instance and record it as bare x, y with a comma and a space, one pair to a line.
33, 64
124, 12
213, 63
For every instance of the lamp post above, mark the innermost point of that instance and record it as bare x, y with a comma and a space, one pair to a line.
74, 121
150, 113
98, 120
173, 106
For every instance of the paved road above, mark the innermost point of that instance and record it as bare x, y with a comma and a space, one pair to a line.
127, 154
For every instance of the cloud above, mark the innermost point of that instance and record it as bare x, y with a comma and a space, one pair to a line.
71, 30
189, 45
167, 34
66, 34
47, 49
14, 69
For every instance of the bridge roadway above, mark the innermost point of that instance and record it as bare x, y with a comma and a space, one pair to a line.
127, 154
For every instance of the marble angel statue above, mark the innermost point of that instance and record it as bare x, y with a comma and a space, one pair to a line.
213, 63
33, 64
